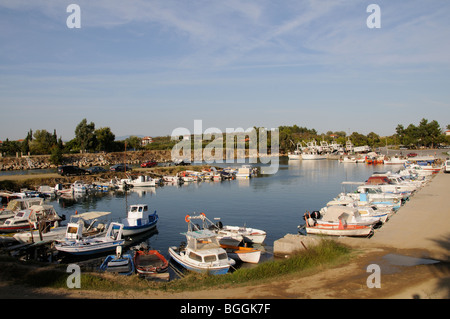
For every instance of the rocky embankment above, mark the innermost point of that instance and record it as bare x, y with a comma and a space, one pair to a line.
84, 160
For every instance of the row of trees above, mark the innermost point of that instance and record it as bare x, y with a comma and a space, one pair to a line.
89, 139
426, 134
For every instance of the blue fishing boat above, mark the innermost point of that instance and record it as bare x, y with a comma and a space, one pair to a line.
139, 220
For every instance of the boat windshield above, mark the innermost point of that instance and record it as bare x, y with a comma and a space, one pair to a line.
209, 258
223, 256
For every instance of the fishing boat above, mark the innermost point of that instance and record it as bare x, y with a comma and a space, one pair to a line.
31, 218
202, 253
243, 254
331, 228
17, 204
88, 223
249, 235
340, 230
364, 208
172, 179
296, 154
395, 160
149, 262
334, 215
246, 171
118, 263
76, 244
140, 181
139, 220
312, 151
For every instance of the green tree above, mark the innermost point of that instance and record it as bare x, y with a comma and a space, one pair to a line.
56, 153
11, 147
42, 142
105, 139
134, 142
85, 136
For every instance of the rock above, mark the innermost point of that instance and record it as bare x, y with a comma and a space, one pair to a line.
291, 243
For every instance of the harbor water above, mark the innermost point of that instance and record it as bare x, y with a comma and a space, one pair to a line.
274, 203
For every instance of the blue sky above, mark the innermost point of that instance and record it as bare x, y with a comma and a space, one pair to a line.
148, 67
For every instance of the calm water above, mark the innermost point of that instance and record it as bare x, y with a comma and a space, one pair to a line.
274, 203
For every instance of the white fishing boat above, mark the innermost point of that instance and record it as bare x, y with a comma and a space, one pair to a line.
333, 215
336, 223
249, 235
202, 252
365, 209
296, 154
139, 220
172, 179
351, 159
140, 181
88, 223
313, 156
31, 218
79, 187
312, 151
246, 171
395, 160
243, 254
339, 230
233, 235
18, 204
77, 244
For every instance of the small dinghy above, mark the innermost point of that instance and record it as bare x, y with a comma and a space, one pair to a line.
243, 254
150, 262
118, 263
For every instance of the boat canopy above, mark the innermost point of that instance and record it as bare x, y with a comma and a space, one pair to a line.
91, 215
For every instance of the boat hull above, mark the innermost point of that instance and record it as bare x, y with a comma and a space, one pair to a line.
14, 228
88, 249
313, 157
134, 230
243, 254
357, 231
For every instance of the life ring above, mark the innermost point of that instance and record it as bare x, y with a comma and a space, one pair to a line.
203, 214
187, 218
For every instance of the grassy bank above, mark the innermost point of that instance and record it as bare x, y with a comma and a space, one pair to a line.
326, 254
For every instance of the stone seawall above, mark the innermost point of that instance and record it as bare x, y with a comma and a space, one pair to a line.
84, 160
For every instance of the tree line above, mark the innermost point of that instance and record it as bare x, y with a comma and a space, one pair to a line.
89, 139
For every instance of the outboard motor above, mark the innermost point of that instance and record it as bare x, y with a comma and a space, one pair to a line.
315, 214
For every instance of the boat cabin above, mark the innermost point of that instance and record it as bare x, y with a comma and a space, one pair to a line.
137, 215
20, 217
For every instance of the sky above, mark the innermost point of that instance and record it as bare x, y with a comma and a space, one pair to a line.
148, 67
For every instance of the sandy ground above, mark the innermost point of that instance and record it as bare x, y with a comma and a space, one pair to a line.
418, 232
